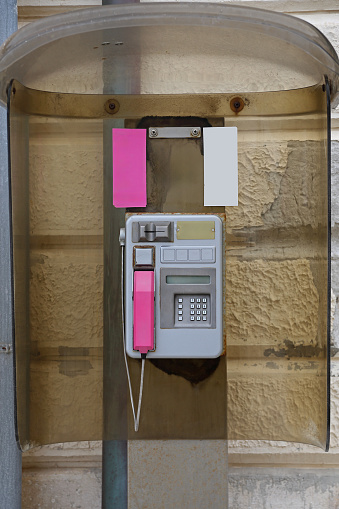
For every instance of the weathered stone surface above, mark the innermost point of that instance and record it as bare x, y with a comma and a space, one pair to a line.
279, 488
268, 303
261, 169
335, 187
281, 185
178, 474
66, 186
277, 399
61, 488
303, 190
66, 400
66, 298
66, 294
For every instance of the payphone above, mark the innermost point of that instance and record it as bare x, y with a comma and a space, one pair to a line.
172, 268
173, 286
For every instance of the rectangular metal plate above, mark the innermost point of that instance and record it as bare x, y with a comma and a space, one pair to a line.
174, 132
195, 230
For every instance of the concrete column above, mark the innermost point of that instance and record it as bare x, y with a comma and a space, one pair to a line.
10, 456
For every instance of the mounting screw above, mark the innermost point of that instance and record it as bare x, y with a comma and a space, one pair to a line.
5, 348
237, 104
153, 133
112, 106
195, 132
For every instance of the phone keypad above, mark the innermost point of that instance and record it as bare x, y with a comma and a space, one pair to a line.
192, 311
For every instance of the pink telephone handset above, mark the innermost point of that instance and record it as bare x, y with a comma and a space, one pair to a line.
143, 311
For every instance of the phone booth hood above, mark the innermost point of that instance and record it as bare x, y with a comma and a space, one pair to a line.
68, 80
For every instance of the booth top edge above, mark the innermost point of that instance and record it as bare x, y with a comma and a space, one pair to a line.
31, 40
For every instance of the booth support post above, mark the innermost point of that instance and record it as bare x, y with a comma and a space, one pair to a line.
115, 452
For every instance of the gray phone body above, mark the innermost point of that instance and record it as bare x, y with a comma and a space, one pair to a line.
188, 275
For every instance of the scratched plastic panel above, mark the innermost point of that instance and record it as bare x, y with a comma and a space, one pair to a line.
58, 278
71, 379
18, 135
276, 284
215, 48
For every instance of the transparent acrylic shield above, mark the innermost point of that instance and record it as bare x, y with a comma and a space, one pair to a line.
71, 377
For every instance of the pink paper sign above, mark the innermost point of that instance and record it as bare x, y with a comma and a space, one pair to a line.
129, 168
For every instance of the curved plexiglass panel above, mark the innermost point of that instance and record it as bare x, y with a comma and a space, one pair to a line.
76, 77
71, 379
168, 48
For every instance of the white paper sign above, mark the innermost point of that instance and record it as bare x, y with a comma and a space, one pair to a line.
220, 166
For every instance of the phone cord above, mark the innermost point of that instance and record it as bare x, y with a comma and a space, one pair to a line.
136, 416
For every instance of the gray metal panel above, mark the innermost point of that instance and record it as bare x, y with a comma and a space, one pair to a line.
174, 132
174, 342
168, 293
10, 465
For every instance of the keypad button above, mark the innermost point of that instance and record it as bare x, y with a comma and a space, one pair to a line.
192, 306
204, 312
182, 255
198, 312
194, 255
192, 311
179, 300
198, 306
198, 317
207, 254
204, 300
192, 318
192, 300
179, 306
179, 318
180, 312
198, 300
204, 306
204, 318
168, 255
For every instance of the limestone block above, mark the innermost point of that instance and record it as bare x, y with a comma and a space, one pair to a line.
335, 183
334, 444
66, 188
261, 169
71, 488
335, 331
279, 488
65, 403
65, 449
66, 292
174, 473
277, 400
303, 191
269, 303
281, 185
335, 255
